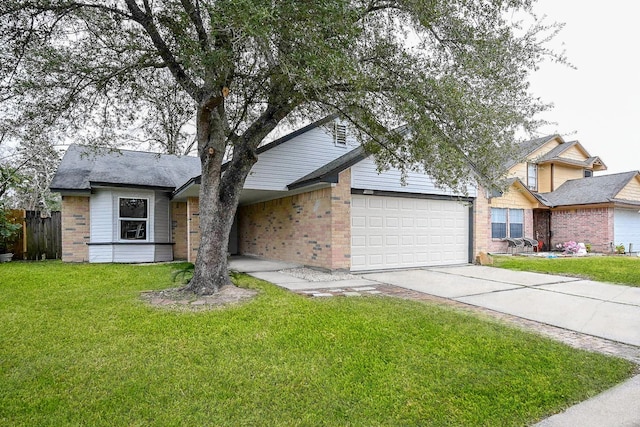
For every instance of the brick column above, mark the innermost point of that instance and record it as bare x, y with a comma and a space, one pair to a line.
75, 229
179, 230
341, 222
193, 228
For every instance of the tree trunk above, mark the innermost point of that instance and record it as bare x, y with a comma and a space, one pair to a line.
220, 194
219, 198
216, 219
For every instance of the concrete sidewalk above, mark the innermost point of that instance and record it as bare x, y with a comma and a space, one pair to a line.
604, 310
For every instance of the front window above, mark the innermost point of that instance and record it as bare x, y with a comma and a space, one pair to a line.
532, 176
516, 223
133, 217
507, 223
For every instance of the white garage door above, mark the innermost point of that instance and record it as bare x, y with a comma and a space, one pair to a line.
397, 232
626, 228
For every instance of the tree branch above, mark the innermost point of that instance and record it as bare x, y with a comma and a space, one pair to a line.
196, 19
145, 19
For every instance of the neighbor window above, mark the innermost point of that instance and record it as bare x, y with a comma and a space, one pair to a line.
516, 223
498, 223
532, 176
588, 173
133, 217
507, 223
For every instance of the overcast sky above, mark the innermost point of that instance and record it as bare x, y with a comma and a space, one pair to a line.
599, 102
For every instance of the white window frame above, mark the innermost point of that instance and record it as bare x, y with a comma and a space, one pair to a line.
587, 173
532, 179
507, 223
146, 219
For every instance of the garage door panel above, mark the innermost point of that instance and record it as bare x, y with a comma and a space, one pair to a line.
376, 240
407, 232
392, 240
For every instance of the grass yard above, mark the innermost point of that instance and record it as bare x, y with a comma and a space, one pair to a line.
79, 347
614, 269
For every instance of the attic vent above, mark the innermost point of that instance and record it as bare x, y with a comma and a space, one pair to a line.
340, 134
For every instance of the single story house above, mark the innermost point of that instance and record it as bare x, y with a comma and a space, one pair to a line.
314, 197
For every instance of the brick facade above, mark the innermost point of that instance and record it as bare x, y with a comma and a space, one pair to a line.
481, 224
193, 228
312, 228
75, 229
593, 226
179, 230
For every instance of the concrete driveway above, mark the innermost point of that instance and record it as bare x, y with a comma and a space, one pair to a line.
600, 309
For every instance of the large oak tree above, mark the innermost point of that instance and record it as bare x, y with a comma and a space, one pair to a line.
454, 71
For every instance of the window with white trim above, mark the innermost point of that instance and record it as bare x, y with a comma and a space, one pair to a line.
340, 134
498, 223
588, 173
516, 223
507, 223
532, 176
133, 216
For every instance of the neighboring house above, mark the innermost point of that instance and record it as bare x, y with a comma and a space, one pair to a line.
554, 197
312, 198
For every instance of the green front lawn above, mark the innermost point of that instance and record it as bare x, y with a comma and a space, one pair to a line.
614, 269
79, 347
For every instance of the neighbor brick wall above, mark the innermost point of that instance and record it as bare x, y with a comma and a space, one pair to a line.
312, 228
75, 228
593, 226
179, 230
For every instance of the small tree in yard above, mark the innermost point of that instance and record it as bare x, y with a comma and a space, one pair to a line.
9, 231
454, 71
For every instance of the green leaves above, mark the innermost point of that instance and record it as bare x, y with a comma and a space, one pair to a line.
454, 71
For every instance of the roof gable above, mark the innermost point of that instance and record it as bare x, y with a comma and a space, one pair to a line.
631, 190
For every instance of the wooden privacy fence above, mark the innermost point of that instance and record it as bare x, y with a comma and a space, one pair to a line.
41, 238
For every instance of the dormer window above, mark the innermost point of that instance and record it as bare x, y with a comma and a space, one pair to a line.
340, 134
532, 176
588, 173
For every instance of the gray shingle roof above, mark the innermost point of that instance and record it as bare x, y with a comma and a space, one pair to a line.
82, 168
528, 147
585, 191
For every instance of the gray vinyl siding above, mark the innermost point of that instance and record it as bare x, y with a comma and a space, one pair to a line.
364, 176
284, 164
133, 253
102, 253
161, 227
104, 208
163, 253
101, 208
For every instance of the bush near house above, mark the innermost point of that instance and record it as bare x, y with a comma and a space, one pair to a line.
80, 347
